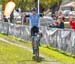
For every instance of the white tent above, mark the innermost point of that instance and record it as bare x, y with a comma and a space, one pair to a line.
71, 4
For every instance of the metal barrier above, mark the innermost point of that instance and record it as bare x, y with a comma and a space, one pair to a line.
21, 31
62, 39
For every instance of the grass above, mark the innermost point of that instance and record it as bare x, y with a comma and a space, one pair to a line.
10, 54
60, 57
47, 51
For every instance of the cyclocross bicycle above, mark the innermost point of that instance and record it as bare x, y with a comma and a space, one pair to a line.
36, 45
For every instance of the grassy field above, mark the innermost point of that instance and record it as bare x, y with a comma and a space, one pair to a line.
52, 53
10, 54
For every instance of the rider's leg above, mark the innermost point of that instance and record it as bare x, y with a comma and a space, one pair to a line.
40, 36
33, 46
32, 33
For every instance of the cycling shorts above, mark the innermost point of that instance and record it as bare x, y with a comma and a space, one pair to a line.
34, 30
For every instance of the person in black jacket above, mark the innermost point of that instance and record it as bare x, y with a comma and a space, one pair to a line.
54, 25
5, 19
61, 22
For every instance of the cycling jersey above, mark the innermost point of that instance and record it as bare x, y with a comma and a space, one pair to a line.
34, 20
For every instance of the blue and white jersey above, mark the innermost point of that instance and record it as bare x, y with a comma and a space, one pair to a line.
34, 20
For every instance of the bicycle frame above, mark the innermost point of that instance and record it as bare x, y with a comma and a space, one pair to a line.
36, 45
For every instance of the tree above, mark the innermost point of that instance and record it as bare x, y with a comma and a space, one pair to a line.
26, 5
49, 3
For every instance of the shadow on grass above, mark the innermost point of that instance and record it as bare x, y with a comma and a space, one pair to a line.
62, 52
16, 38
4, 34
39, 59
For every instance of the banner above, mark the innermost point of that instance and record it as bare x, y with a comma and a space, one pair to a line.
10, 6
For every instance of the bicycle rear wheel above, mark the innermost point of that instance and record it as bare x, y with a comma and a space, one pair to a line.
37, 54
37, 49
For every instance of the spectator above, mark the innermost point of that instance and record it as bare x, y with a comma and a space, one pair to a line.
61, 22
5, 19
23, 19
11, 17
63, 18
72, 23
55, 25
56, 14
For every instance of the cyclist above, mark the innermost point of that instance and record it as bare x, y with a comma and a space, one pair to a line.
34, 24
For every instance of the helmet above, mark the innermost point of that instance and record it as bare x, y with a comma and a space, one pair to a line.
34, 9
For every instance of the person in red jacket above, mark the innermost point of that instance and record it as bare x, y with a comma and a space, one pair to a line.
72, 23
